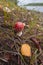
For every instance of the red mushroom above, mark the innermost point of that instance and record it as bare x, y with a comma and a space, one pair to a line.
18, 27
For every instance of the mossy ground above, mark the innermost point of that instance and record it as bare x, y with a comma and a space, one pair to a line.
11, 43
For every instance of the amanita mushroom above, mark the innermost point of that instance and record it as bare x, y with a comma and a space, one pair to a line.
26, 50
19, 27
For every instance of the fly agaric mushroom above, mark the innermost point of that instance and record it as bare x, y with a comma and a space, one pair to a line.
18, 27
26, 50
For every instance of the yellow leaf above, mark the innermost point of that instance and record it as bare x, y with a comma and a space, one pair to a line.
26, 50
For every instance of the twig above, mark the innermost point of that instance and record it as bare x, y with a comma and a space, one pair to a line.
3, 59
6, 26
23, 59
36, 43
34, 35
15, 53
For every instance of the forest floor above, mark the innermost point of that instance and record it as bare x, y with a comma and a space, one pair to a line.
10, 44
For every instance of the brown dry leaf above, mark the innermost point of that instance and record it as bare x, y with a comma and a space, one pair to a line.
26, 50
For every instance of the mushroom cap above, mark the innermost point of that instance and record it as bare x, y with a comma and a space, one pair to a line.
26, 50
19, 26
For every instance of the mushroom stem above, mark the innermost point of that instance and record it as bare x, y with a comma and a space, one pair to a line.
19, 33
